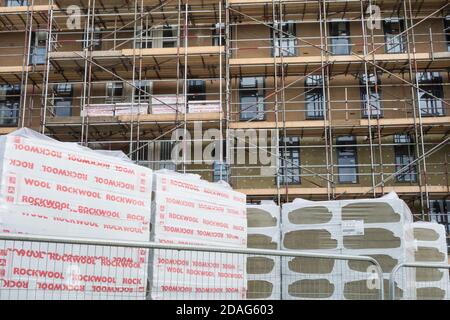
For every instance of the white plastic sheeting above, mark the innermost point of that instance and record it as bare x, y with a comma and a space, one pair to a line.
263, 272
188, 210
62, 189
431, 247
380, 228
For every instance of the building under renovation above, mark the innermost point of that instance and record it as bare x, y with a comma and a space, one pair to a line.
319, 99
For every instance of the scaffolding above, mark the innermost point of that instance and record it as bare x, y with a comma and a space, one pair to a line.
314, 75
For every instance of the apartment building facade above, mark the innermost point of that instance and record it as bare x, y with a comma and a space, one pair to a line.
319, 99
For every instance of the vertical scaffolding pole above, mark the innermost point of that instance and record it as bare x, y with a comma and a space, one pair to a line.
47, 65
368, 100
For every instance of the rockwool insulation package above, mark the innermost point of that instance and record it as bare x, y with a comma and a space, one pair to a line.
191, 211
62, 189
263, 272
303, 287
380, 228
431, 247
315, 227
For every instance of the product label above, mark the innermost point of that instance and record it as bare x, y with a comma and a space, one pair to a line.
352, 227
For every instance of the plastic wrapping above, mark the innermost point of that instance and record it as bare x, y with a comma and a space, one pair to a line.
263, 272
188, 210
431, 247
73, 191
380, 228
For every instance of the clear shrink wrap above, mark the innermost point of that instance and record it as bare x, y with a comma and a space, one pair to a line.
63, 189
192, 211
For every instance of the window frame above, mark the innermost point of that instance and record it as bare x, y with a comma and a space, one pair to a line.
334, 36
196, 90
405, 150
347, 144
375, 94
314, 90
290, 173
10, 103
257, 92
64, 95
432, 84
111, 96
289, 27
399, 45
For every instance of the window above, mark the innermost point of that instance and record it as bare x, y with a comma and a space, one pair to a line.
114, 92
169, 37
340, 37
16, 3
221, 171
404, 155
251, 93
63, 99
9, 104
196, 90
165, 155
431, 94
347, 163
314, 102
440, 213
143, 91
95, 39
370, 95
284, 41
144, 38
447, 31
289, 160
394, 42
218, 34
38, 47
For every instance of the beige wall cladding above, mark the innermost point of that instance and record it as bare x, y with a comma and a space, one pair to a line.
316, 239
258, 218
428, 254
312, 289
259, 289
311, 265
373, 238
354, 290
310, 215
431, 294
261, 241
387, 263
370, 212
260, 265
423, 234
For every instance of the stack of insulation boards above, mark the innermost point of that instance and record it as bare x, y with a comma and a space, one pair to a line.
191, 211
313, 227
52, 188
263, 272
431, 247
380, 228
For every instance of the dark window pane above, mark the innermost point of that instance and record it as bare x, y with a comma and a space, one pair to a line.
196, 90
431, 94
289, 160
394, 42
251, 93
347, 164
404, 155
284, 39
371, 99
340, 37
